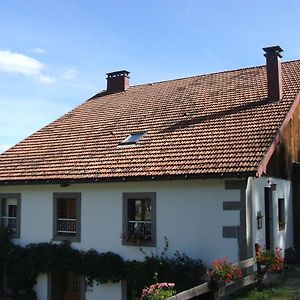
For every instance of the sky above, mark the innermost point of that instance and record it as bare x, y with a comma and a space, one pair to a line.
54, 54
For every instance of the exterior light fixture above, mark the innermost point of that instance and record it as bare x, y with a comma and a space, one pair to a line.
259, 218
272, 185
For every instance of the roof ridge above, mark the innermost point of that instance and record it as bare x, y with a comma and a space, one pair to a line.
105, 93
206, 74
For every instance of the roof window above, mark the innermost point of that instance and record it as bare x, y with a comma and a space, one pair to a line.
133, 138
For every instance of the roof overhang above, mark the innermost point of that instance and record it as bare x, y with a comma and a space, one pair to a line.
264, 162
67, 182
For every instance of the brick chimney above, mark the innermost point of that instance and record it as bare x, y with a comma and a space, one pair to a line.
274, 77
117, 81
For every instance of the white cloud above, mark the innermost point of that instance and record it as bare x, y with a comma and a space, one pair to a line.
22, 64
19, 63
69, 74
39, 50
45, 79
4, 147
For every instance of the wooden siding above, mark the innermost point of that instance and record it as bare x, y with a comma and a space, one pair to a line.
285, 164
288, 149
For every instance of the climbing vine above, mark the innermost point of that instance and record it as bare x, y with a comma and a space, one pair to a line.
20, 267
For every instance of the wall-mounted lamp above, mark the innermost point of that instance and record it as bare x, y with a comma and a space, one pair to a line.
272, 185
259, 218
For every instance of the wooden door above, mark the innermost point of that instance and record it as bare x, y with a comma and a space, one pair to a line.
66, 286
268, 219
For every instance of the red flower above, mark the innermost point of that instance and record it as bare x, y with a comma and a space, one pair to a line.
224, 271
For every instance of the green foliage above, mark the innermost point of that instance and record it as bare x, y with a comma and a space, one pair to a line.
158, 291
20, 273
103, 267
5, 243
273, 260
24, 264
20, 267
274, 293
224, 271
28, 294
50, 257
184, 271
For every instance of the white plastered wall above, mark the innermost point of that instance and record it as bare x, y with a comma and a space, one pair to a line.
189, 214
281, 238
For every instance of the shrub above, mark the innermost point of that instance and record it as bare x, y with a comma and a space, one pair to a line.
184, 271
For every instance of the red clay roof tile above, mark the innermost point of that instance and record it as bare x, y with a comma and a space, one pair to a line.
205, 125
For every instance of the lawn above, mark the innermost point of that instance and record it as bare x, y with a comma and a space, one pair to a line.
270, 293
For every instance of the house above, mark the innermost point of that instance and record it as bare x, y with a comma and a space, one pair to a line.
210, 162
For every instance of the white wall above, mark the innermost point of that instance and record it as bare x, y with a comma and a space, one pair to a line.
104, 291
284, 238
189, 214
41, 288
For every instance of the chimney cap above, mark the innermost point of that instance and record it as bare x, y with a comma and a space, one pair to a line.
122, 73
273, 50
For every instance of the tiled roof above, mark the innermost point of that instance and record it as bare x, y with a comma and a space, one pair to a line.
209, 125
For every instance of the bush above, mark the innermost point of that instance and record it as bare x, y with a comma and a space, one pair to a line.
184, 271
21, 275
26, 295
22, 265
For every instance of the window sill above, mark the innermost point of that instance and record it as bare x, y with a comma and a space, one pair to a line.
14, 234
139, 243
70, 238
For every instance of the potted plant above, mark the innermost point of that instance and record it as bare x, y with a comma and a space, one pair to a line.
223, 272
271, 259
267, 260
135, 237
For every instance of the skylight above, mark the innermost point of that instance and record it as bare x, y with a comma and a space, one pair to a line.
133, 138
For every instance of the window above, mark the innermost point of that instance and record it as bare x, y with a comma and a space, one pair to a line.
133, 138
281, 214
10, 212
139, 219
66, 217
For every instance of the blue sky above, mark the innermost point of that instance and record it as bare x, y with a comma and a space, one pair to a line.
54, 54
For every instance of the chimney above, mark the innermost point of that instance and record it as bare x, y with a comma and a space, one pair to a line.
274, 76
117, 81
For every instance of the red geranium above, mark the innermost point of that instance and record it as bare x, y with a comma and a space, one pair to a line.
225, 271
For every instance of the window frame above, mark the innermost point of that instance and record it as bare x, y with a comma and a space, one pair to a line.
3, 196
60, 237
139, 196
281, 214
129, 141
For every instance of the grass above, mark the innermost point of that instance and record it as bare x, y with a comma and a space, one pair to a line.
273, 290
269, 293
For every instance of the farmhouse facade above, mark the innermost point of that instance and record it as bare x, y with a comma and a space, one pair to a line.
209, 162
